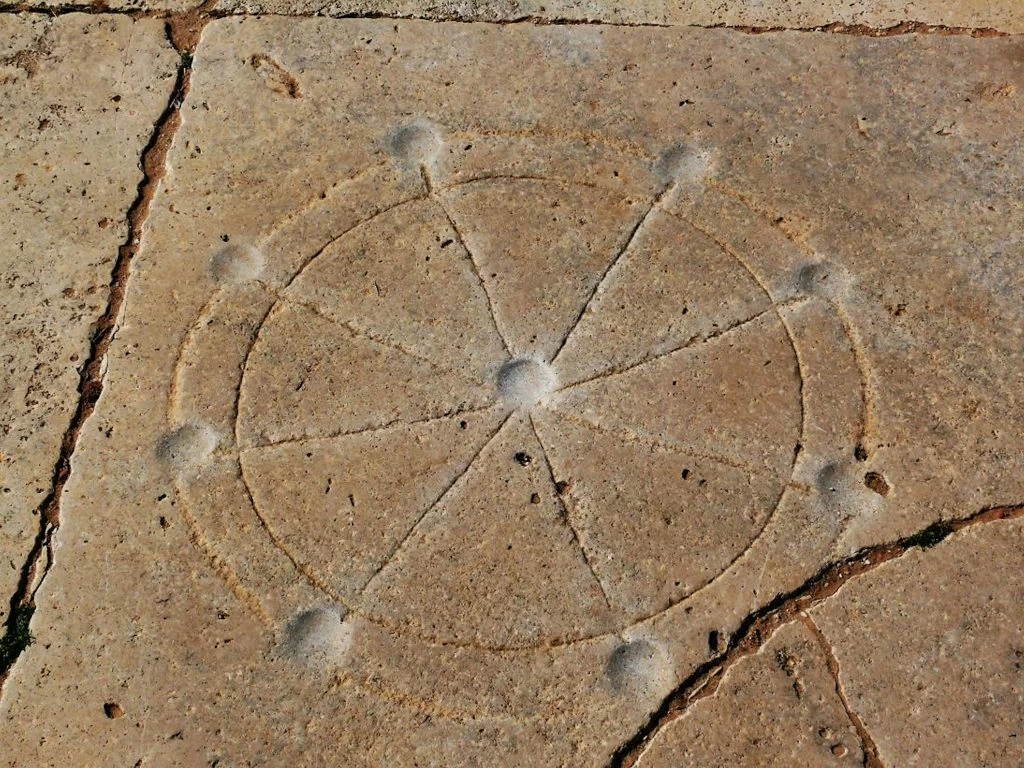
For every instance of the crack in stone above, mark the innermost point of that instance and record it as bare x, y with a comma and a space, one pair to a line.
835, 27
868, 747
758, 627
568, 518
183, 32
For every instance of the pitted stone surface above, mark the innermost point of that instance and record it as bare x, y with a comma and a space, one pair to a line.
499, 391
78, 98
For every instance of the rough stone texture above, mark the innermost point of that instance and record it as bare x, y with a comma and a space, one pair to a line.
78, 98
937, 637
777, 708
313, 519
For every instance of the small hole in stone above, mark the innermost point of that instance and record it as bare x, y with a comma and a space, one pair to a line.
877, 483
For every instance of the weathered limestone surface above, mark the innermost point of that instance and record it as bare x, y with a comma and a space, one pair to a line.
476, 381
78, 98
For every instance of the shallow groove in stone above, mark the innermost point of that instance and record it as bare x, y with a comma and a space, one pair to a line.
567, 516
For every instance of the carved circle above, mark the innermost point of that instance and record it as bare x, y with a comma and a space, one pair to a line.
450, 473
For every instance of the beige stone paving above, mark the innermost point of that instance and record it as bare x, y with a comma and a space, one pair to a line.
78, 99
475, 383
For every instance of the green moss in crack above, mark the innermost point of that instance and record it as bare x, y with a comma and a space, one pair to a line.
930, 536
17, 636
186, 59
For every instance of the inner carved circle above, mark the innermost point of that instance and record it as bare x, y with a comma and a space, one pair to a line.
524, 381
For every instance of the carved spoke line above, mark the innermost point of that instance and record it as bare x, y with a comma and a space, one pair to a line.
619, 255
659, 445
867, 427
357, 332
436, 197
568, 518
695, 341
371, 430
389, 558
564, 183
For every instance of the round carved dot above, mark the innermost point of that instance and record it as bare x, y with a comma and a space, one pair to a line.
525, 382
684, 164
639, 667
188, 445
822, 279
417, 142
318, 636
237, 264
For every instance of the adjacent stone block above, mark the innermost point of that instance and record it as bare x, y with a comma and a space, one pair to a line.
78, 99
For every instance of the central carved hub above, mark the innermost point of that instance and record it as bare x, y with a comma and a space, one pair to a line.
525, 381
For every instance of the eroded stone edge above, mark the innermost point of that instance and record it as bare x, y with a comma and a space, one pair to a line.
208, 10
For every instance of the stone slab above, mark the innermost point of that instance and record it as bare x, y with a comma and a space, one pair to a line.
778, 708
78, 99
427, 319
932, 645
